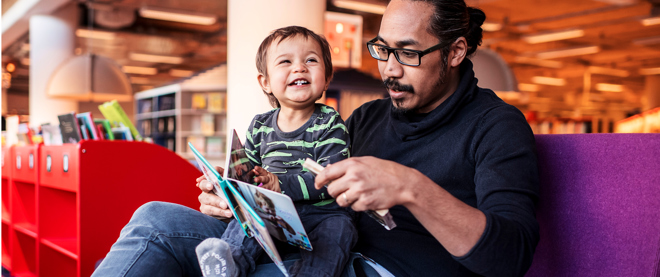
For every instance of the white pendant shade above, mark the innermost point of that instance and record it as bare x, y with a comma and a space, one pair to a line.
90, 77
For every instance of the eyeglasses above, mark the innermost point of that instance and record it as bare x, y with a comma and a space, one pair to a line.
404, 56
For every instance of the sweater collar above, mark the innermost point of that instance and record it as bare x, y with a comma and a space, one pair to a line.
410, 127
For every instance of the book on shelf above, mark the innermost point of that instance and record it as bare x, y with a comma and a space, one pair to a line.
51, 134
122, 132
166, 102
105, 128
198, 142
170, 124
83, 129
216, 101
262, 214
86, 121
214, 146
69, 128
208, 124
198, 101
145, 125
115, 114
24, 134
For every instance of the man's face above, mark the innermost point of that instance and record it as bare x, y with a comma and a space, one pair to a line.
418, 89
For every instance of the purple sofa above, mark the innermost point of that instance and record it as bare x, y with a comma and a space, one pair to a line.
599, 206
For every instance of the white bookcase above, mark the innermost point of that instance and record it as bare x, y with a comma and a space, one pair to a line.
176, 114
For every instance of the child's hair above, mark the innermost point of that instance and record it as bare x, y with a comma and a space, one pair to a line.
281, 34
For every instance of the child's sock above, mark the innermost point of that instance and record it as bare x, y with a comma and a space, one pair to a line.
214, 257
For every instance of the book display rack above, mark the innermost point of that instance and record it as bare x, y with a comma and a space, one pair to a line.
64, 206
177, 114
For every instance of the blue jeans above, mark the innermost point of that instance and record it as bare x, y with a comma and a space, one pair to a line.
160, 240
331, 232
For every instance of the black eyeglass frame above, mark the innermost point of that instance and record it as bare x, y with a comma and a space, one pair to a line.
390, 50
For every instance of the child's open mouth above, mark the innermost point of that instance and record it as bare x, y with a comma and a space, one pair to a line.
299, 82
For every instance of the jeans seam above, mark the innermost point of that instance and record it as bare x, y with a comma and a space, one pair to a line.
151, 239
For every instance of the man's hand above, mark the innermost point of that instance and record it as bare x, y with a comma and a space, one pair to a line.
269, 180
368, 183
212, 204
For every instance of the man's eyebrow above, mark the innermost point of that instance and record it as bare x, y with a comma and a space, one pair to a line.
401, 43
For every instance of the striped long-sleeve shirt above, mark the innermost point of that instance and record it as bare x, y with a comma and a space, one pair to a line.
323, 138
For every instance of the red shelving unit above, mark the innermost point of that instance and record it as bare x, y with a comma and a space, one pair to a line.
66, 210
6, 212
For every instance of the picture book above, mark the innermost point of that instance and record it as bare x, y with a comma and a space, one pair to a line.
51, 134
383, 217
69, 128
263, 214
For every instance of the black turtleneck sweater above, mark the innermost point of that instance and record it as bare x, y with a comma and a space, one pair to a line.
479, 149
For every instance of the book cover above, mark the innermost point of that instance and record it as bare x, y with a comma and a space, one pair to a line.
214, 146
24, 134
198, 101
114, 112
216, 102
51, 134
83, 129
69, 128
88, 122
106, 128
208, 124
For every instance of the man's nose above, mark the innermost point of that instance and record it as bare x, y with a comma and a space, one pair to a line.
393, 69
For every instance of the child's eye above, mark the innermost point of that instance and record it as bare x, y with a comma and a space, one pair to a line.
312, 60
284, 61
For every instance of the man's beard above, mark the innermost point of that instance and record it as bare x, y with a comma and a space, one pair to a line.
394, 85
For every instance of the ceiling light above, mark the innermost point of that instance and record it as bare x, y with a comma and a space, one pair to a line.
528, 87
360, 6
609, 87
568, 52
10, 67
177, 16
181, 73
549, 81
554, 36
651, 21
650, 71
84, 33
491, 26
538, 62
609, 71
646, 41
140, 70
155, 58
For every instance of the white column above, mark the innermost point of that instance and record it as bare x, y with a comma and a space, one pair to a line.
249, 22
651, 92
52, 42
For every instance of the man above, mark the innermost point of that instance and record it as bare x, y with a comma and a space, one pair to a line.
455, 165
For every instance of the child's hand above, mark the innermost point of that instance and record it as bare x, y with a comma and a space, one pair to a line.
269, 180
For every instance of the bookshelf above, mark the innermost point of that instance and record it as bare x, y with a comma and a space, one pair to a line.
62, 214
177, 114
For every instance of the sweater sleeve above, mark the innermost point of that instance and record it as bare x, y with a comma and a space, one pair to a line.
331, 145
507, 180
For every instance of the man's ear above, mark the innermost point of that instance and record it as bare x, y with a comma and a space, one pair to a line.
263, 82
458, 51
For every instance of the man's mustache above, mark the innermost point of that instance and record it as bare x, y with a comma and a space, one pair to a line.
393, 84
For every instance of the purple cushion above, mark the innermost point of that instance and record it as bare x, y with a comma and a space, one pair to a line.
599, 206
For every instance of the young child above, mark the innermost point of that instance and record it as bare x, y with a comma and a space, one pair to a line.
295, 69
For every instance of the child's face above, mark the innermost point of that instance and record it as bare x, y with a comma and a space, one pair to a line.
296, 73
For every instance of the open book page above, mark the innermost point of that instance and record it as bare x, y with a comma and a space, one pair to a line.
252, 224
279, 214
238, 165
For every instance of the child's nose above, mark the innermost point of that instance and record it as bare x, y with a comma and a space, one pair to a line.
299, 67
